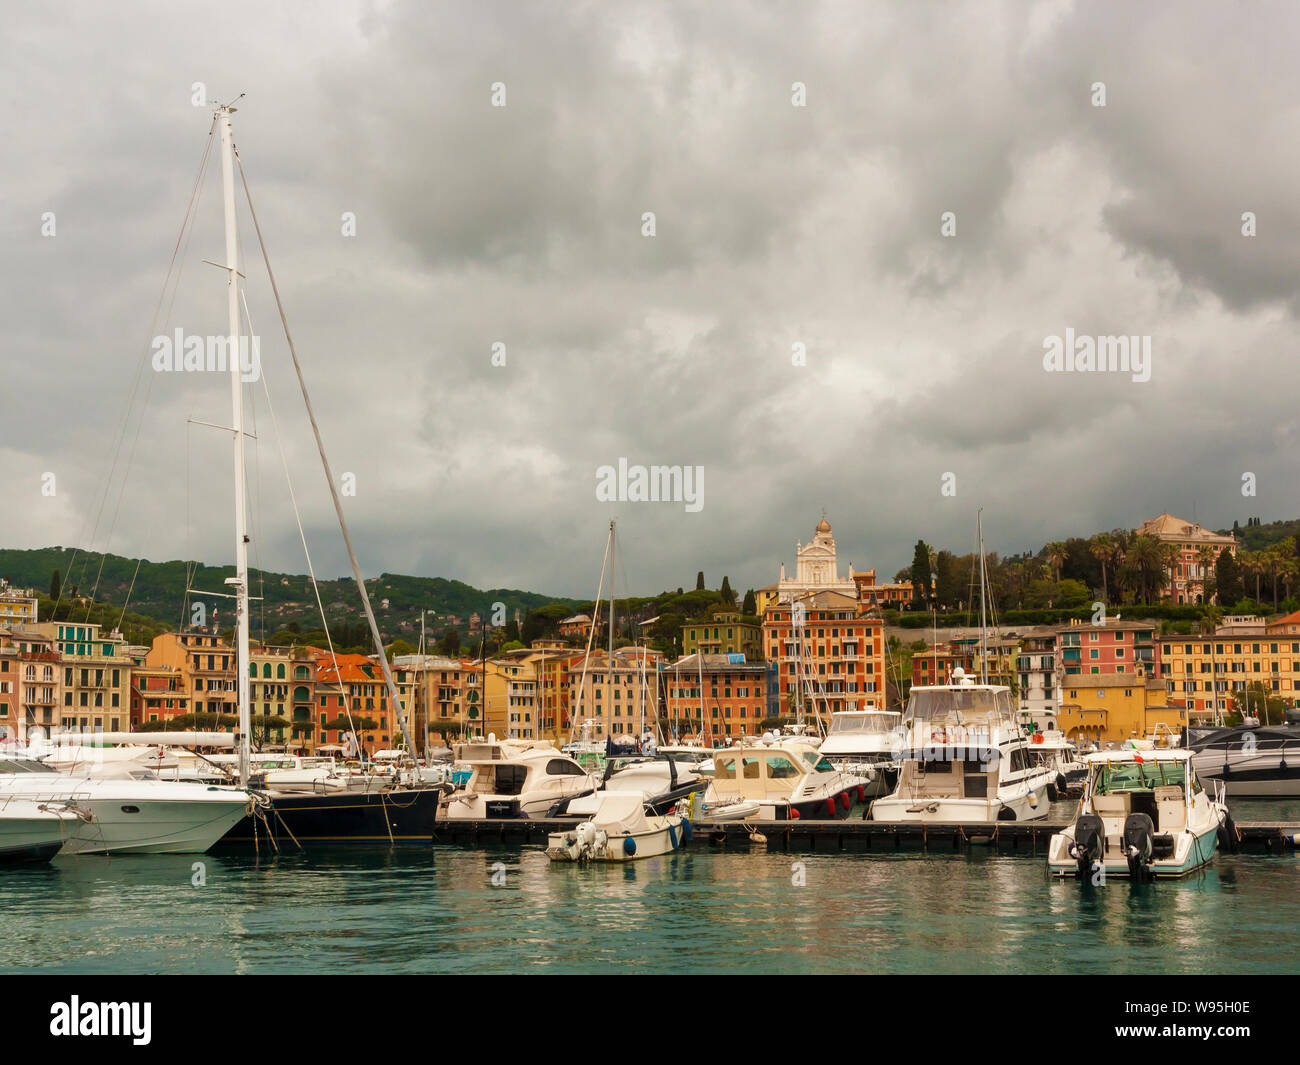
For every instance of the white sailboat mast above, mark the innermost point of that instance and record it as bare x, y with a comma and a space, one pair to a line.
609, 674
240, 581
984, 593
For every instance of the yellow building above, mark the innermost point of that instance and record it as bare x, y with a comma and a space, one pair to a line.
1114, 707
96, 678
16, 607
1236, 656
510, 703
432, 692
723, 634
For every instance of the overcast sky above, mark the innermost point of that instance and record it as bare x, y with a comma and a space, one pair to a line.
775, 225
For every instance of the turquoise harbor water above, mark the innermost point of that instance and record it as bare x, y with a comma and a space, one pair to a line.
706, 910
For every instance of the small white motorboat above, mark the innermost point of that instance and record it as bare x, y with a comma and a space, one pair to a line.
1144, 814
623, 829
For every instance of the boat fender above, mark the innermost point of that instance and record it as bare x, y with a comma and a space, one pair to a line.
1033, 800
845, 800
862, 793
1228, 834
830, 806
672, 836
629, 846
794, 813
688, 830
1052, 794
1139, 835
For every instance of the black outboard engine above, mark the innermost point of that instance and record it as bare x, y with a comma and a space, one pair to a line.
1139, 836
1089, 844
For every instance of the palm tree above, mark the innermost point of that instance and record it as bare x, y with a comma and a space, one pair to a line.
1250, 564
1146, 558
1205, 556
1056, 554
1102, 548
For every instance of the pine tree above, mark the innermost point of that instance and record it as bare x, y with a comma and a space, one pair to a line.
56, 586
921, 573
1228, 586
699, 581
728, 595
750, 606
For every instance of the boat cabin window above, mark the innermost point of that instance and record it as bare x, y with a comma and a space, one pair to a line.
510, 779
724, 767
781, 768
752, 768
562, 767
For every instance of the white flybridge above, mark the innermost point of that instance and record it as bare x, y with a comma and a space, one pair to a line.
964, 757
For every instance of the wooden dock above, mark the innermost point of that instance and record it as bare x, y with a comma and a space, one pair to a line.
1028, 838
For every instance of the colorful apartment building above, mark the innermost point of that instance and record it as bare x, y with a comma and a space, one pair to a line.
1198, 550
8, 686
733, 701
158, 693
725, 633
432, 691
1203, 672
1117, 646
1036, 671
617, 701
352, 696
96, 681
206, 662
829, 650
1110, 708
17, 606
39, 683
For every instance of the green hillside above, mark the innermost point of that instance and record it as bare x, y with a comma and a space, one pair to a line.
286, 598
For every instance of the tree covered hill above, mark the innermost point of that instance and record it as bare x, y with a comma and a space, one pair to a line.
157, 591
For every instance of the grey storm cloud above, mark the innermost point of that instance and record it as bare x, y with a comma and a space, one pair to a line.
776, 226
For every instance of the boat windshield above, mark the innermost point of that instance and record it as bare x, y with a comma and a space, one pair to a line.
960, 706
819, 762
1138, 776
861, 724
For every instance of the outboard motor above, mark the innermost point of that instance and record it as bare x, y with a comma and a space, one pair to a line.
1139, 835
1089, 843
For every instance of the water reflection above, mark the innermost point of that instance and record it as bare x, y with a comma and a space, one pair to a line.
708, 910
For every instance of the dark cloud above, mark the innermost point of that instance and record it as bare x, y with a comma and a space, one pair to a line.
776, 226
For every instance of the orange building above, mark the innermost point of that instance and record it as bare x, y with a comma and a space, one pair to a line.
352, 685
828, 649
734, 698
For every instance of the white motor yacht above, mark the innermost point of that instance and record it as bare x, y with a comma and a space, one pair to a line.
787, 777
965, 759
515, 778
1144, 814
866, 743
135, 813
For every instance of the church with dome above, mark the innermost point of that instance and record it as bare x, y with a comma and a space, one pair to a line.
816, 570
